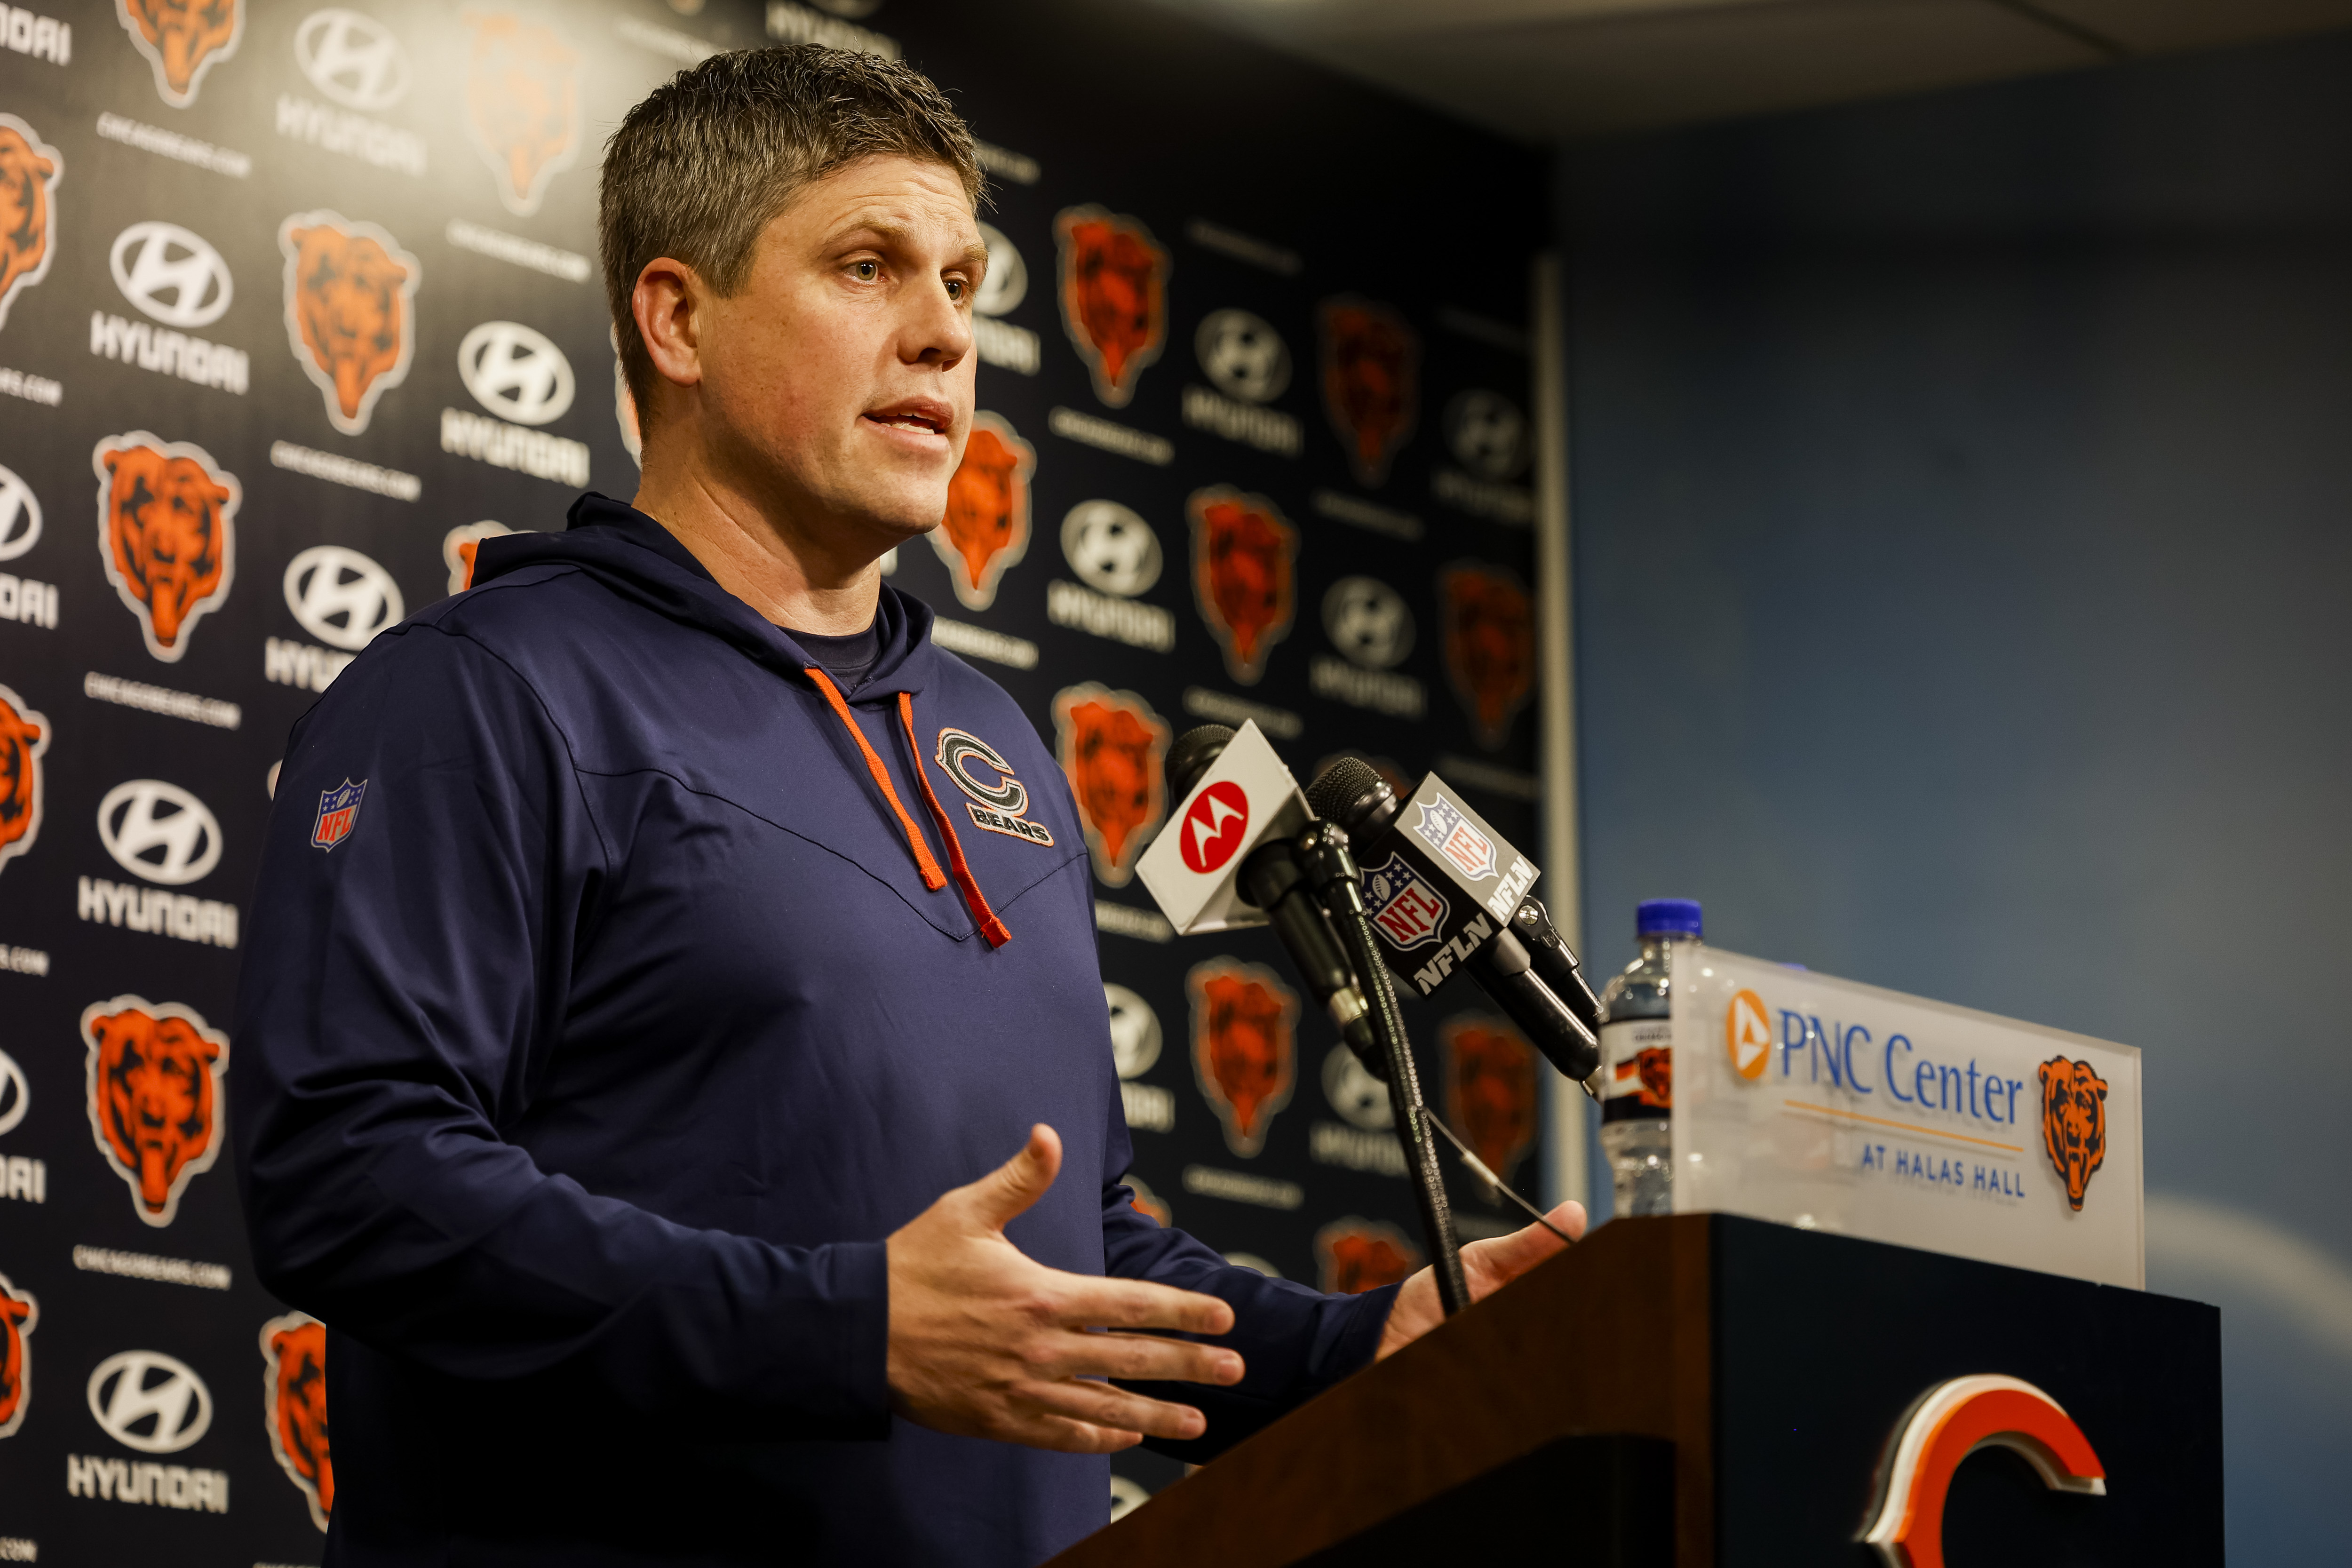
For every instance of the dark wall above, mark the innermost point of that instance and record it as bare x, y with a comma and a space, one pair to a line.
1960, 491
443, 157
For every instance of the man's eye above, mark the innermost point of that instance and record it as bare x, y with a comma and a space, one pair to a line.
867, 270
957, 289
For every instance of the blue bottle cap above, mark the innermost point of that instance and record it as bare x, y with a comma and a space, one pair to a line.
1666, 917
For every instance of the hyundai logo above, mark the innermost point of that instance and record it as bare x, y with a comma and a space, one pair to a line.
171, 274
16, 1094
353, 59
340, 596
151, 1402
1487, 432
1110, 548
1134, 1031
515, 372
159, 831
1006, 282
20, 516
1368, 621
1244, 356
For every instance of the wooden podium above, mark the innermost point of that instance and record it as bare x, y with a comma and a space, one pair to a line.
1710, 1389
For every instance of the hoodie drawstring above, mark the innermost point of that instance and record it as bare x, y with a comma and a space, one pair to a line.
975, 900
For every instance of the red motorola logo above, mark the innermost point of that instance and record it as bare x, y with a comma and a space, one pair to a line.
1212, 826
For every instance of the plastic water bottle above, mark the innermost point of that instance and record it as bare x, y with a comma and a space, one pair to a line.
1637, 1057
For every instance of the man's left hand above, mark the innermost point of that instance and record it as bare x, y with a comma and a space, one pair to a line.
1487, 1265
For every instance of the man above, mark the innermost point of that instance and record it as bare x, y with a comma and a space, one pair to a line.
634, 1019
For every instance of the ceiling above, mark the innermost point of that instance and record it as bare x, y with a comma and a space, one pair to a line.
1550, 70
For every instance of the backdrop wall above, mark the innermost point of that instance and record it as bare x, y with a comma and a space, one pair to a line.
296, 304
1960, 489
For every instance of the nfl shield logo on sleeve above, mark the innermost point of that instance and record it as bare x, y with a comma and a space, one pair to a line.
339, 812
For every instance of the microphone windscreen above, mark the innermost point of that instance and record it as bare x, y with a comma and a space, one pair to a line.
1351, 793
1194, 754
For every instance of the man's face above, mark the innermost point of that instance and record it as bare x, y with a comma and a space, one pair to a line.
840, 375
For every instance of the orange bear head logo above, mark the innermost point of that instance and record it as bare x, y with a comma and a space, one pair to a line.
1371, 372
1114, 297
350, 310
2073, 1123
29, 171
294, 1353
1112, 746
1245, 556
154, 1100
1490, 645
1243, 1048
18, 1312
1357, 1256
167, 532
23, 737
1490, 1089
182, 39
986, 529
522, 104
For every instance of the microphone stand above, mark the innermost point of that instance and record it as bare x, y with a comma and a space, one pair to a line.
1331, 871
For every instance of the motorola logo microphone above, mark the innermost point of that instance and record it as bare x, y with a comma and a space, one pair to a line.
1243, 356
1110, 548
1487, 434
352, 58
1007, 283
171, 274
516, 373
20, 516
1368, 621
151, 1402
340, 596
159, 831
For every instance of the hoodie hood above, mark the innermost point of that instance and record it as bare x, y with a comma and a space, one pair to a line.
643, 562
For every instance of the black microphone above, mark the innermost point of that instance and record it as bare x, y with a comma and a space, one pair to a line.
1423, 883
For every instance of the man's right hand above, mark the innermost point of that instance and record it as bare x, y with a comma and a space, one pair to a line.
986, 1342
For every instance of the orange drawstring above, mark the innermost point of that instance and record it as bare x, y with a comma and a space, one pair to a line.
967, 884
924, 862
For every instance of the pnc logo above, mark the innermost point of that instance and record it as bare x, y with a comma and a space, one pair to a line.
155, 1075
340, 596
1243, 356
29, 172
1952, 1421
20, 516
352, 58
1212, 827
1368, 621
19, 1311
23, 738
294, 1376
1134, 1031
985, 530
1747, 1035
182, 39
151, 1402
1112, 548
1112, 746
171, 274
1006, 282
1244, 1051
350, 310
1487, 434
516, 373
159, 831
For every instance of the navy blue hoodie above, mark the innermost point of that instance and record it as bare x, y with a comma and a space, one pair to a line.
578, 1083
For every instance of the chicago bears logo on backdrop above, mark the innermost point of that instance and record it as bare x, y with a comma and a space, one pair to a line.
2073, 1122
1371, 382
154, 1097
986, 529
1357, 1255
294, 1402
29, 172
1147, 1203
458, 547
167, 532
350, 310
1490, 645
1245, 556
1112, 746
1114, 297
24, 738
1243, 1048
182, 39
522, 104
1490, 1089
18, 1314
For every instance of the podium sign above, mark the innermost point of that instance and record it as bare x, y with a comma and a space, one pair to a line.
1835, 1106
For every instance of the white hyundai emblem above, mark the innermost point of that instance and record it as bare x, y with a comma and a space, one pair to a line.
1487, 432
1368, 621
1110, 548
159, 831
1134, 1031
353, 59
171, 274
1358, 1097
20, 516
516, 373
15, 1095
1244, 356
1006, 282
340, 596
151, 1402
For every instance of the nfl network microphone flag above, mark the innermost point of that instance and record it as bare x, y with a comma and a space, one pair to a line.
1194, 868
1440, 884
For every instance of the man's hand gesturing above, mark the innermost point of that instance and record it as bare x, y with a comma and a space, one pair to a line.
988, 1343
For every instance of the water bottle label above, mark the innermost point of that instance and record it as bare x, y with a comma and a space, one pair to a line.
1640, 1078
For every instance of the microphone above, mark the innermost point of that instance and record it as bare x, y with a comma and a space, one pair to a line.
1447, 892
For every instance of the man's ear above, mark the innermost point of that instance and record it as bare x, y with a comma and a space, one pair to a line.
667, 303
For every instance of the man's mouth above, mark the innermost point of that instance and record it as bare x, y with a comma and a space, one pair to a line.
928, 418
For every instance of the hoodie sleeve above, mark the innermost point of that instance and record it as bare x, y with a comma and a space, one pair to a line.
401, 995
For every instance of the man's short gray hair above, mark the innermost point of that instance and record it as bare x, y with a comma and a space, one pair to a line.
699, 167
